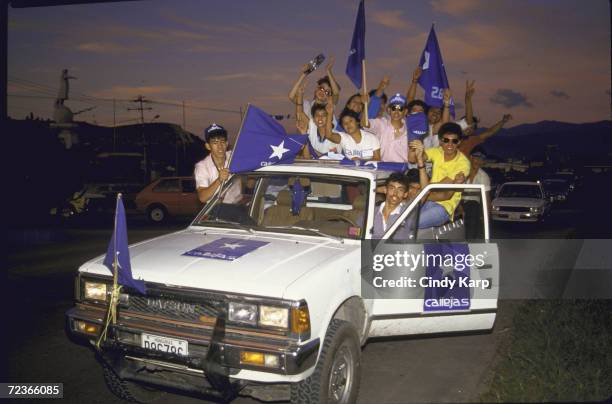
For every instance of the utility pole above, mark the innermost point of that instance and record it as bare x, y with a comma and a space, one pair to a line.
184, 117
145, 158
4, 56
114, 127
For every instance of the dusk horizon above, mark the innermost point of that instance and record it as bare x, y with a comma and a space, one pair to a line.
217, 61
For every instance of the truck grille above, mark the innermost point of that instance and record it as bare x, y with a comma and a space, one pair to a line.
170, 308
513, 209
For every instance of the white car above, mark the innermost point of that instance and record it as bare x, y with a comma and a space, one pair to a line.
521, 201
269, 296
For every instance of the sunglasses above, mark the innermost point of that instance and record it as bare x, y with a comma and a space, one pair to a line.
397, 107
447, 140
326, 91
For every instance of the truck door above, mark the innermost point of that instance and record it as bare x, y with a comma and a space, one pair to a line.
433, 280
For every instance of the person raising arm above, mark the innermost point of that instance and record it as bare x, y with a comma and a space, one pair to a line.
449, 166
411, 92
335, 87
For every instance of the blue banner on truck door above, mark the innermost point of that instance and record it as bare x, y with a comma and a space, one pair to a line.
447, 277
226, 248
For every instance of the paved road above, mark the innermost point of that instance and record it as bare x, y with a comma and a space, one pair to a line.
40, 282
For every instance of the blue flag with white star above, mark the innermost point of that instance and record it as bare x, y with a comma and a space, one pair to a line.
433, 79
118, 247
357, 51
226, 248
262, 141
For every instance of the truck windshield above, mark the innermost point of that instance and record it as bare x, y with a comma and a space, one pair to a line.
321, 205
520, 191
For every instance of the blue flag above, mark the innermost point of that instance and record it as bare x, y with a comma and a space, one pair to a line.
297, 198
455, 295
118, 247
433, 79
376, 165
418, 126
262, 141
226, 248
357, 51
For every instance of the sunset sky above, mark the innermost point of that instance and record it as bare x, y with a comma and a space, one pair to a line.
538, 60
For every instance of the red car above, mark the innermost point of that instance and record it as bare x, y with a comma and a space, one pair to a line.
168, 196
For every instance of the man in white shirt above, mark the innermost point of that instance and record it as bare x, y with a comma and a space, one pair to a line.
213, 172
472, 200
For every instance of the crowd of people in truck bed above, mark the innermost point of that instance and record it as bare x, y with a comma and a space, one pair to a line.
374, 126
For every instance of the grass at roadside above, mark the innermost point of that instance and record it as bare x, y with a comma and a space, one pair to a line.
558, 351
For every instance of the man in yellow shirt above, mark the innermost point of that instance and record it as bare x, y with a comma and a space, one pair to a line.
449, 166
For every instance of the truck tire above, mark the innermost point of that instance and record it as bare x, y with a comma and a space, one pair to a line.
157, 214
128, 390
338, 371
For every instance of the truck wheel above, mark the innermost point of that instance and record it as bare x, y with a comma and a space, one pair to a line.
338, 371
157, 214
130, 391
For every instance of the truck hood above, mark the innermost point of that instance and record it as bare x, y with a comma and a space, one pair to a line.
265, 271
519, 202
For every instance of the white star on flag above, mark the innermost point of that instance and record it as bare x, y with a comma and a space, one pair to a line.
278, 151
231, 246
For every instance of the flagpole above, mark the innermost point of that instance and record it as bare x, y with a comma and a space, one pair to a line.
365, 93
111, 315
218, 190
246, 113
114, 294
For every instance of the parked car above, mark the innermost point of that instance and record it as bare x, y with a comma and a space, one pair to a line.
168, 196
265, 297
569, 176
557, 189
522, 201
96, 200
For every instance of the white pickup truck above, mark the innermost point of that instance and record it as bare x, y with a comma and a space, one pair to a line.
265, 296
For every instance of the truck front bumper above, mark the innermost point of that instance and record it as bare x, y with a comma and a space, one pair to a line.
212, 352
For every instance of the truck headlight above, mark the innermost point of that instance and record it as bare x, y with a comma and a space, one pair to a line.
300, 320
495, 208
243, 313
95, 291
535, 210
271, 316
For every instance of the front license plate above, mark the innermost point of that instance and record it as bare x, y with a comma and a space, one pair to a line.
164, 344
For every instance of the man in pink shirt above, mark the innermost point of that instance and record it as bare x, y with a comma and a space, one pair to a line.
391, 131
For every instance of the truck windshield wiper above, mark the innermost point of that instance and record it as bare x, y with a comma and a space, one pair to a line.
310, 229
235, 224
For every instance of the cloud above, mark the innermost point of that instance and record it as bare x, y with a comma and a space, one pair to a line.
244, 76
455, 7
510, 98
198, 24
124, 92
107, 47
391, 19
560, 94
386, 64
164, 35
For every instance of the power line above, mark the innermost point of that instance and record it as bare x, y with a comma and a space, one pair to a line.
196, 107
52, 90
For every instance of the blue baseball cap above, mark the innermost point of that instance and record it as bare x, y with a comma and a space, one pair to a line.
397, 99
214, 130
